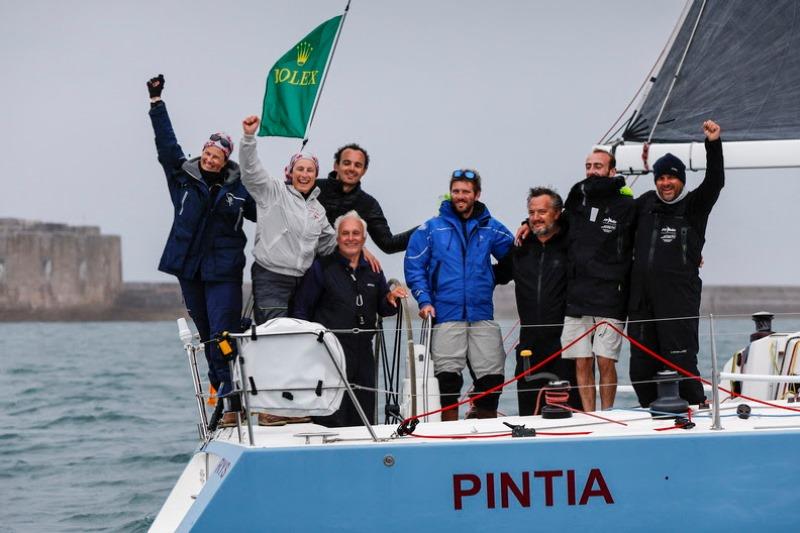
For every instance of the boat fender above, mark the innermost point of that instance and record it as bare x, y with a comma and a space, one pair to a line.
318, 389
253, 388
288, 395
743, 411
320, 336
669, 403
253, 336
519, 430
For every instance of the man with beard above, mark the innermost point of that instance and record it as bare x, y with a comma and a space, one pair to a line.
341, 192
448, 269
665, 281
601, 214
539, 270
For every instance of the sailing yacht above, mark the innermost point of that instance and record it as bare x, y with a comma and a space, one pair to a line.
727, 467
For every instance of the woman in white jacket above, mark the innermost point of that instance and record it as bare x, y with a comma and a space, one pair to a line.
291, 225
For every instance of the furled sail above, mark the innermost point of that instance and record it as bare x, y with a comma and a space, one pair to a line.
737, 62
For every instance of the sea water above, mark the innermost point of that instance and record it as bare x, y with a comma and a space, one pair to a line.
97, 420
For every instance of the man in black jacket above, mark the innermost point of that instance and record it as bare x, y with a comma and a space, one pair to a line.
341, 192
665, 281
539, 270
342, 292
601, 213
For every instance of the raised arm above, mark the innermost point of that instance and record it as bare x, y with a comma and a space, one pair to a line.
258, 182
170, 154
707, 193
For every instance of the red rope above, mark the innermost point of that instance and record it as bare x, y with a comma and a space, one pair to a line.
494, 435
688, 374
555, 354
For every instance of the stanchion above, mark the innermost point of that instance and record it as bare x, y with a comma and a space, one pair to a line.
714, 376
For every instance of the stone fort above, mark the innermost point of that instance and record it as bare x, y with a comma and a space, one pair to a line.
47, 267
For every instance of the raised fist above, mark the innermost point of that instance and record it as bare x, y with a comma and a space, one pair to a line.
711, 129
155, 86
250, 124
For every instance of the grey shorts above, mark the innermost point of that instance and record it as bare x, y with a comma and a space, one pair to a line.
602, 342
452, 342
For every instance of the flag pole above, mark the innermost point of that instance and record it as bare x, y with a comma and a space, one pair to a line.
325, 74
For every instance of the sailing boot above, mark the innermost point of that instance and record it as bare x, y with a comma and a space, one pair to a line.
486, 406
449, 389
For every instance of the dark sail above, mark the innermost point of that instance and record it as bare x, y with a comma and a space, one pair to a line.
742, 70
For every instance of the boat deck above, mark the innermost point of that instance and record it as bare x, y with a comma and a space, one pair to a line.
623, 423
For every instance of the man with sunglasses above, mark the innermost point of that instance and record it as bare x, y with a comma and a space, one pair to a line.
341, 192
448, 269
205, 247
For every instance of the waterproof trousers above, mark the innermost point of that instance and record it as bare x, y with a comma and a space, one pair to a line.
676, 340
360, 363
215, 307
272, 293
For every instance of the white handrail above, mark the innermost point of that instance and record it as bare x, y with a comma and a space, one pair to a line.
770, 378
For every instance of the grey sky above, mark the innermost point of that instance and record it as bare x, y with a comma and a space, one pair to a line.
520, 90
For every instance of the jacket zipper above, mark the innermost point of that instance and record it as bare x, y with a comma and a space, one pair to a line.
684, 243
539, 281
238, 219
185, 194
652, 252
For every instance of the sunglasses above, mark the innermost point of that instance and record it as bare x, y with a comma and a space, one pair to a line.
469, 174
221, 140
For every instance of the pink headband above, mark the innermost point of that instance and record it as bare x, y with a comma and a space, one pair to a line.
296, 157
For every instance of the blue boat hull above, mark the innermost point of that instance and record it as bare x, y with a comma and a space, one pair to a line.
708, 481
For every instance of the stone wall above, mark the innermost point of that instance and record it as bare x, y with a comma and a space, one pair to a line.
717, 299
55, 268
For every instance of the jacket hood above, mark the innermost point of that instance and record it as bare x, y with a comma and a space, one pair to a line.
231, 171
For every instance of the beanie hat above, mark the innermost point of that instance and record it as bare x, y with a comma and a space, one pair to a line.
295, 158
671, 166
222, 141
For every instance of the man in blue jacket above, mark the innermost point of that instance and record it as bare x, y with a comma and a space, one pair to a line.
448, 269
205, 247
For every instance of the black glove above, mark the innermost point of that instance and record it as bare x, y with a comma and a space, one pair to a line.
155, 86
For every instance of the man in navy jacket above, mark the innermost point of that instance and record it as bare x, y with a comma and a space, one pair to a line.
343, 293
448, 269
205, 247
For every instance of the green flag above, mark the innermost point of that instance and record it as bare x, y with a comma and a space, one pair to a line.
294, 81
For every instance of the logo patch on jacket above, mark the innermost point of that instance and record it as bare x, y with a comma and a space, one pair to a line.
668, 234
608, 225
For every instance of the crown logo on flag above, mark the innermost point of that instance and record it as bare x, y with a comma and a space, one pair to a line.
303, 52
